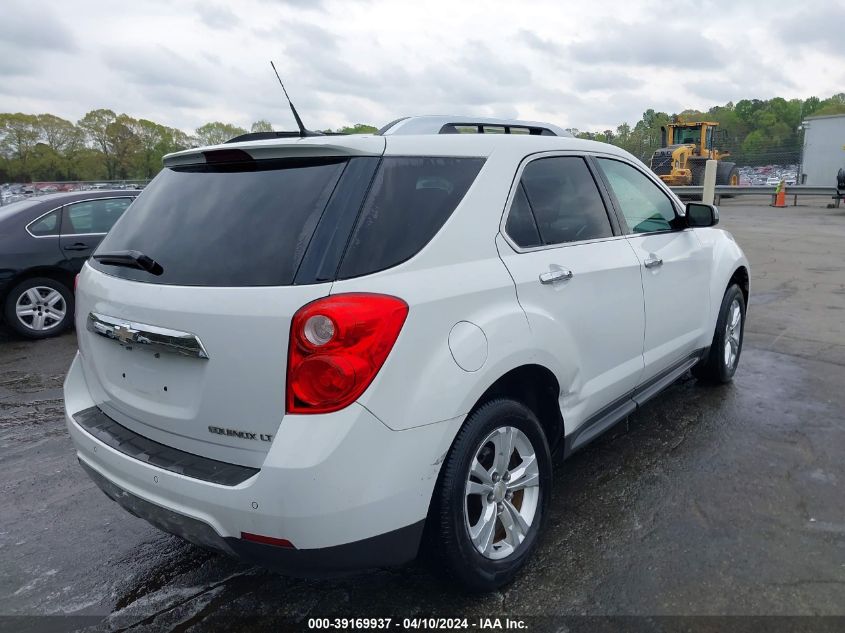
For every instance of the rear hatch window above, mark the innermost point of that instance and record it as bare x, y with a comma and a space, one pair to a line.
234, 224
288, 221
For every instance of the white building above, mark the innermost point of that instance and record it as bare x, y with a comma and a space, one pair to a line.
824, 149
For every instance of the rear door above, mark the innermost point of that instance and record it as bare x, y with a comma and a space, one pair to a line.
675, 266
85, 223
578, 281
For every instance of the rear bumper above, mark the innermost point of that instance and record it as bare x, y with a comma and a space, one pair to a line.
345, 490
385, 550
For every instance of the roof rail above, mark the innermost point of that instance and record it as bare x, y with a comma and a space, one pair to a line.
443, 124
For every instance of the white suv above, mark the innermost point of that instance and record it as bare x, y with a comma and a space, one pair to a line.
307, 352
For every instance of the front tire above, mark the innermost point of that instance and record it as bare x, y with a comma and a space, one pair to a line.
720, 363
492, 497
39, 308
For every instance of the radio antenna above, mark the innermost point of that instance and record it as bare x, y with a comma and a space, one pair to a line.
302, 130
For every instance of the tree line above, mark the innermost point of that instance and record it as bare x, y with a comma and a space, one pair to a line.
103, 145
754, 131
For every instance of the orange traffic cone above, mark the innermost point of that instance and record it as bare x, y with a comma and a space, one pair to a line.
780, 195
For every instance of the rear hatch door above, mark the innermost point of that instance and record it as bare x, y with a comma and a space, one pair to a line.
192, 353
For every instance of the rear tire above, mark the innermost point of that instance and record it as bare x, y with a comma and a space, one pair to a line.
484, 524
40, 307
720, 363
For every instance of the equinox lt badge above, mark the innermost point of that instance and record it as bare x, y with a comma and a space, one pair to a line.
244, 435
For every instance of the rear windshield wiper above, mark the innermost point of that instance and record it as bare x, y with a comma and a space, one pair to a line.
130, 259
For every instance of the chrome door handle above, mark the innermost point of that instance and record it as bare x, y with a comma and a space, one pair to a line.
555, 275
653, 262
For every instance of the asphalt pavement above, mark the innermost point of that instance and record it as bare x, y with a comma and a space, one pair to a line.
719, 501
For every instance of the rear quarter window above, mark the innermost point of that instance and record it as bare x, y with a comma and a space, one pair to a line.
47, 225
409, 201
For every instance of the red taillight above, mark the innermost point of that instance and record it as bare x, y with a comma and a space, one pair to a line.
337, 346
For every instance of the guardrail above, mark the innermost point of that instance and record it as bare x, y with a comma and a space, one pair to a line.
757, 190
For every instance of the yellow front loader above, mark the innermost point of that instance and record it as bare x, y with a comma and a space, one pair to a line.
685, 148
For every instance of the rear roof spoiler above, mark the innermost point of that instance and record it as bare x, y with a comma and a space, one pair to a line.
290, 146
263, 136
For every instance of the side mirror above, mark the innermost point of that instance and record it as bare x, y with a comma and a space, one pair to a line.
700, 214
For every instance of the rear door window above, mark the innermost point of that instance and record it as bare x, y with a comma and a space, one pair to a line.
243, 223
565, 201
93, 216
409, 201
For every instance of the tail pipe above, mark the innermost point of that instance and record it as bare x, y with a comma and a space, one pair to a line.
663, 140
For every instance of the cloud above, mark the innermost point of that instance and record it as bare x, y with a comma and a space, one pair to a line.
27, 36
653, 43
606, 80
298, 4
539, 44
217, 16
820, 29
27, 29
158, 66
588, 65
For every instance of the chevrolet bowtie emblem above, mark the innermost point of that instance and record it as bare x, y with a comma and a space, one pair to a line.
124, 333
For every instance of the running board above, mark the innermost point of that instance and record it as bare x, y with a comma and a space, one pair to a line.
625, 406
661, 382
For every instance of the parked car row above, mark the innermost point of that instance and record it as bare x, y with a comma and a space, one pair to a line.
44, 241
13, 192
768, 175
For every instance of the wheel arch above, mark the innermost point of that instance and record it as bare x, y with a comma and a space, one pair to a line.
50, 272
537, 388
741, 278
728, 265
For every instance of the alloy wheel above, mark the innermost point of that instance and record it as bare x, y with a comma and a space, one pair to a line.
733, 334
502, 493
41, 308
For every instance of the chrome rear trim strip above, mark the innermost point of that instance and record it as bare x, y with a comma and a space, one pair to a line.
160, 339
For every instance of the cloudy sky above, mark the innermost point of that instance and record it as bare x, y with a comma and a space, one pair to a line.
585, 64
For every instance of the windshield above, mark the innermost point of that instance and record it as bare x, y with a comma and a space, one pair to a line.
687, 134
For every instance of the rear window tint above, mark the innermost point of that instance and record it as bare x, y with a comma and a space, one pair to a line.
409, 201
566, 203
231, 224
521, 225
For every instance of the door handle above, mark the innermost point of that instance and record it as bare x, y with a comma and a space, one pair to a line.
653, 261
555, 275
79, 246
